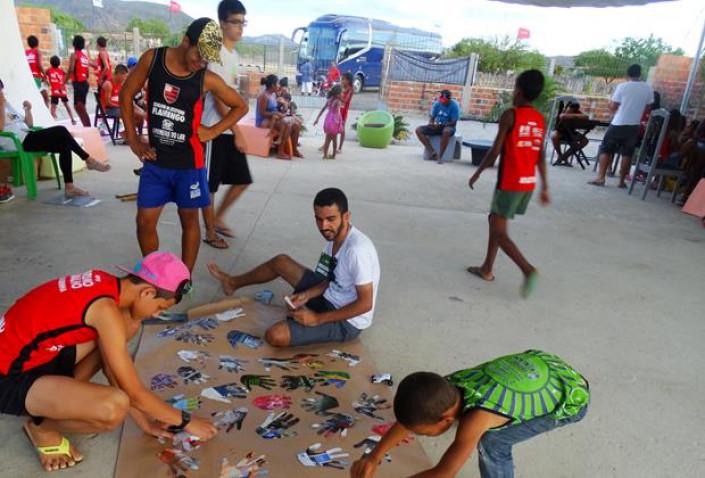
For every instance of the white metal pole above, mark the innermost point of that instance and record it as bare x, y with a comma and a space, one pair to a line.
693, 73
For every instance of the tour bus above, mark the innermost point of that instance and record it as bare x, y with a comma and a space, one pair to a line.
357, 45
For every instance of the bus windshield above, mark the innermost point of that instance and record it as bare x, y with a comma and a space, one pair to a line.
322, 45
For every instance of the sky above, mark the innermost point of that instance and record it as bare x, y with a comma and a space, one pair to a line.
554, 31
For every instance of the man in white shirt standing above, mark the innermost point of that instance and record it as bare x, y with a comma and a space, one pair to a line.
226, 161
334, 302
629, 101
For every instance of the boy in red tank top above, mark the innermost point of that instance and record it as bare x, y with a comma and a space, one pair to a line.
56, 337
520, 141
57, 82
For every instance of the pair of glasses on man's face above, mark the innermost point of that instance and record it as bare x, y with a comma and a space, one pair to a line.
237, 23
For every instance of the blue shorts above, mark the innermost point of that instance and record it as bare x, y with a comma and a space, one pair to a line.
188, 188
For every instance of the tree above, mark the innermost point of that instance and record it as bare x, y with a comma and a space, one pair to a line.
498, 55
66, 22
602, 63
150, 27
644, 51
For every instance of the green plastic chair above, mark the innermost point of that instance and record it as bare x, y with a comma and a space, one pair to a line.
23, 170
375, 129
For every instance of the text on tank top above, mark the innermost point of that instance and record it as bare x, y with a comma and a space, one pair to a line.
56, 81
32, 55
51, 317
80, 67
521, 151
175, 107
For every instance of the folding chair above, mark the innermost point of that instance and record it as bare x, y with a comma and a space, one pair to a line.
113, 129
647, 159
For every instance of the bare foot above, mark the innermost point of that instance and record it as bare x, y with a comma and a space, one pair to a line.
225, 280
92, 163
75, 192
46, 438
477, 271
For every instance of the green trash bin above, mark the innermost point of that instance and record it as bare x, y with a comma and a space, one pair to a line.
375, 129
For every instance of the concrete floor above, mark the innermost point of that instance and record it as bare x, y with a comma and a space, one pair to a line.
618, 297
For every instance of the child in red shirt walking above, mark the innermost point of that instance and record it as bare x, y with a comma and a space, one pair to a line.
57, 83
520, 142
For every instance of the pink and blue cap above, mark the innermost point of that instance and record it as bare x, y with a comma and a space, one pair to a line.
163, 270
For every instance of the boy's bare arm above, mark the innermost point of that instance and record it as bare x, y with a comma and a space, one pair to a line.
506, 123
231, 99
133, 84
471, 427
366, 467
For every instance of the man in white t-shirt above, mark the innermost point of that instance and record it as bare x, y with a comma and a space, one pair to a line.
332, 303
225, 159
629, 101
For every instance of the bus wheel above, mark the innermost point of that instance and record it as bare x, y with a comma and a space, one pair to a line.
358, 83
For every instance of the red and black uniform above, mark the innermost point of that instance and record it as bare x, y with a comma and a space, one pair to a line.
57, 84
114, 100
521, 151
79, 77
175, 107
38, 334
32, 55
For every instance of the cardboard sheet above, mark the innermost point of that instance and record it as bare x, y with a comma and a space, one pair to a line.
138, 452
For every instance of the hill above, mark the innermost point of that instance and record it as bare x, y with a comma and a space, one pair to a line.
115, 14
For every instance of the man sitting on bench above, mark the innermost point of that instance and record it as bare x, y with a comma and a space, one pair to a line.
337, 301
444, 116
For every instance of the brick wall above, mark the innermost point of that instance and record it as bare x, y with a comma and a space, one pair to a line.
411, 97
36, 21
670, 78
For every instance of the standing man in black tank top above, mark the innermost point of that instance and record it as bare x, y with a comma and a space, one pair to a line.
174, 169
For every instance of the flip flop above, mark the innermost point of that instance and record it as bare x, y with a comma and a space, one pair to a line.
63, 448
225, 231
597, 183
218, 243
527, 288
478, 273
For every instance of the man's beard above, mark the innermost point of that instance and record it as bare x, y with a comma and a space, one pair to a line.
336, 233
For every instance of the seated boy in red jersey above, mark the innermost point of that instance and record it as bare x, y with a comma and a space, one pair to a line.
520, 142
57, 82
56, 337
110, 91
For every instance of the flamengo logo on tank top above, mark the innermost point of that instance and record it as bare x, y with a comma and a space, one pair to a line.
171, 93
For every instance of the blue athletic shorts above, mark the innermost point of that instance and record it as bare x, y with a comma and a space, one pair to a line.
188, 188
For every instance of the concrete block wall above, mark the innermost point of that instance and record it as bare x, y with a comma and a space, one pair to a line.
413, 97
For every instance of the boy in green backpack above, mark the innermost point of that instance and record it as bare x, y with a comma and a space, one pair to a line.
496, 404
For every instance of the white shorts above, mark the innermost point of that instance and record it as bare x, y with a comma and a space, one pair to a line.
307, 87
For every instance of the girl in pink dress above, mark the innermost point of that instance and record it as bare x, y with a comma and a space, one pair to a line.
333, 124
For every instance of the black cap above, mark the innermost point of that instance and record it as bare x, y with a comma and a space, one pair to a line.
446, 94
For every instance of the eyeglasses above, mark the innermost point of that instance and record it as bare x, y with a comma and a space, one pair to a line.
237, 23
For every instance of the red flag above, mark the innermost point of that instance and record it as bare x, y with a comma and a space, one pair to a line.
523, 34
174, 7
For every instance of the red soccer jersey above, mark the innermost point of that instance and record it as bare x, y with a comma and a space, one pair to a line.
114, 100
80, 67
50, 317
32, 55
521, 150
56, 82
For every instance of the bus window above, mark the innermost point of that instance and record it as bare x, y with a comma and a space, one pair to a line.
348, 52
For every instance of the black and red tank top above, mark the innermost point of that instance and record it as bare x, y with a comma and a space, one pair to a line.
80, 67
175, 107
32, 55
56, 81
50, 317
521, 151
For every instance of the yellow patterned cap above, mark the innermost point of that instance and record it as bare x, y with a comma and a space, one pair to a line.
208, 38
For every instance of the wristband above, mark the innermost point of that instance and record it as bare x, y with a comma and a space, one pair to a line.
185, 420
